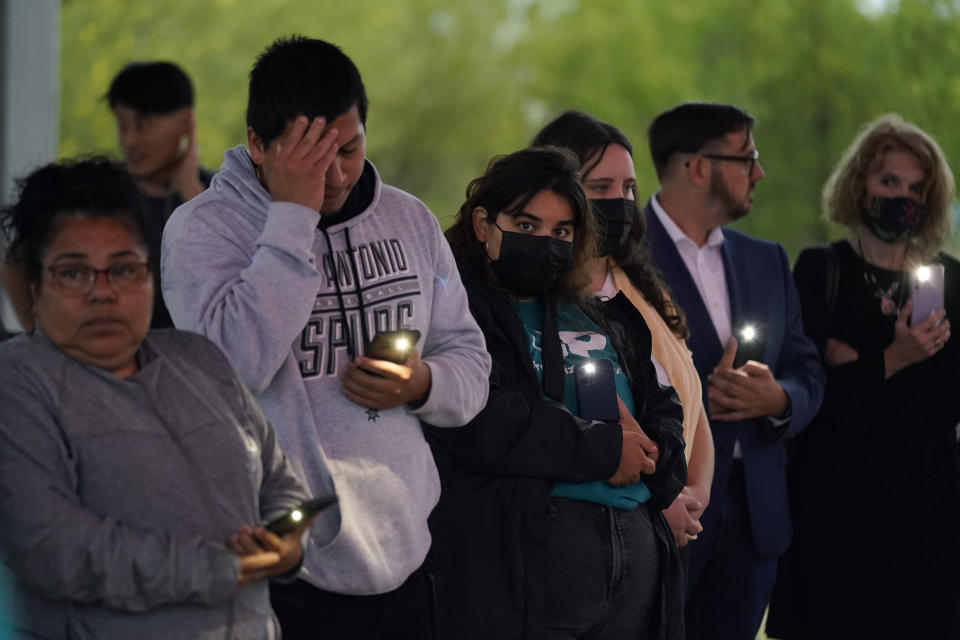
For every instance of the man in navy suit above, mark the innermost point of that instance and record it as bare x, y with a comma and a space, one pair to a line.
727, 283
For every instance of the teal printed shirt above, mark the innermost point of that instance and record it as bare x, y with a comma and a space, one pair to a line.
581, 339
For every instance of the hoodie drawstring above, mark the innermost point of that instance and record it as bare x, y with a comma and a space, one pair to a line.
356, 287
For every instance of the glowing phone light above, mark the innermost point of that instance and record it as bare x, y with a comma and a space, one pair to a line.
296, 515
589, 368
923, 274
748, 333
402, 344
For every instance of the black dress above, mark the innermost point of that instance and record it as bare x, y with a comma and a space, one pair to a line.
874, 478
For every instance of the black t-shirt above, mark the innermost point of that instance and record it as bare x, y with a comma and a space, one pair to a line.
157, 211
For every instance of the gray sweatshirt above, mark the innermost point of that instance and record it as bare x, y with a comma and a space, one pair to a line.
118, 495
259, 279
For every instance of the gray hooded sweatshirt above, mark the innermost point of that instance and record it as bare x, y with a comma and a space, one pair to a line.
259, 278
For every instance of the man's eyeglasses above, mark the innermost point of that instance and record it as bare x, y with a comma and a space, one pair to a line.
750, 160
73, 280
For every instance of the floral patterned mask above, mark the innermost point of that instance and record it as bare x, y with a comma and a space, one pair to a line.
893, 219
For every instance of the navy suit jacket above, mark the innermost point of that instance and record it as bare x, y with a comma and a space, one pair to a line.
761, 291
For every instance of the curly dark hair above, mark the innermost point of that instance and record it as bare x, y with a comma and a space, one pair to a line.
589, 138
93, 187
508, 184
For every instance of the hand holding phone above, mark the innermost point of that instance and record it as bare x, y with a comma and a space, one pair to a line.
927, 295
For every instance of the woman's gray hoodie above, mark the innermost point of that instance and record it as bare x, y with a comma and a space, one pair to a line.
258, 277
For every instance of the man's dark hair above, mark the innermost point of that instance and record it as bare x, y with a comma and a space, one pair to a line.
302, 76
688, 127
151, 88
95, 187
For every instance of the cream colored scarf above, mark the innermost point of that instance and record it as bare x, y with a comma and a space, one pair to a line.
672, 353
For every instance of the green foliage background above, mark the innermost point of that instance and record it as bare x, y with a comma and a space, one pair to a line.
452, 83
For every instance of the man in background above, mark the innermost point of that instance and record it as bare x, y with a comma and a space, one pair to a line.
726, 281
153, 106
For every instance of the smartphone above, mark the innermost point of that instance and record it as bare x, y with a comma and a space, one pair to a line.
295, 517
751, 344
597, 390
395, 346
927, 284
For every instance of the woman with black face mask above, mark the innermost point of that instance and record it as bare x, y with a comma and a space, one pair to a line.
549, 522
622, 264
874, 481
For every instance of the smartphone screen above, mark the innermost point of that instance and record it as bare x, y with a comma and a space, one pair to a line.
597, 390
295, 517
394, 346
927, 292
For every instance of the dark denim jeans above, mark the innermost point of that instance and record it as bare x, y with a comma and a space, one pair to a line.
603, 572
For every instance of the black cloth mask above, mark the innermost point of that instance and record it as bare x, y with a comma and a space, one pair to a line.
529, 265
615, 221
893, 219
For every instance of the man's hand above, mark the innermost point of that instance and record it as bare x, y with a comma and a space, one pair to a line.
381, 384
748, 392
914, 344
184, 180
295, 170
683, 515
264, 554
638, 453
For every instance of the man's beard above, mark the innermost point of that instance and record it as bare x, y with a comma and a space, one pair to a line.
720, 194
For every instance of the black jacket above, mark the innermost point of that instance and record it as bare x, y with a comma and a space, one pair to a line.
498, 470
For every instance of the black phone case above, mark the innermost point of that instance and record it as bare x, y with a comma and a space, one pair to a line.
597, 391
382, 346
286, 524
753, 350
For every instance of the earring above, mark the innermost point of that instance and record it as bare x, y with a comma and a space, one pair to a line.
259, 172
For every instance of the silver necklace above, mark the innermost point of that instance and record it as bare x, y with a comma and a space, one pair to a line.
887, 305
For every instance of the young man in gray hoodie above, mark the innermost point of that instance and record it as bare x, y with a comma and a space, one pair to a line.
292, 261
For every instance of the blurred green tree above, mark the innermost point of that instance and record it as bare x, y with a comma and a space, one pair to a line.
453, 83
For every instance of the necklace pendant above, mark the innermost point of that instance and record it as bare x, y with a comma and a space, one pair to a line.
887, 306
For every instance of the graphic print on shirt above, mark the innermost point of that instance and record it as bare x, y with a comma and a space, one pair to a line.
576, 346
385, 289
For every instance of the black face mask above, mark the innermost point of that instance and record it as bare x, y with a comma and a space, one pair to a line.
615, 220
892, 219
529, 265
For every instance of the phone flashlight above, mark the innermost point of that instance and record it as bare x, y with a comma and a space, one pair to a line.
923, 274
750, 345
296, 515
402, 344
589, 368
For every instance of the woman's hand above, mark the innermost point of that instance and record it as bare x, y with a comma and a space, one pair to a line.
638, 454
683, 516
264, 554
836, 353
914, 344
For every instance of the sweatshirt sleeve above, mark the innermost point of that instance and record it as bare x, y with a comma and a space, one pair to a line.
63, 551
253, 306
454, 349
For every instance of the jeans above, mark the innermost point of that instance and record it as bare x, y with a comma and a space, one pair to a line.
603, 575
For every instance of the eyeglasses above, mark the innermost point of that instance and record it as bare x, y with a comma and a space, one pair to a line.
751, 159
77, 281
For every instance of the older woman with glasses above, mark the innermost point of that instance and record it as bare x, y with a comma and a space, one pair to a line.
134, 466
